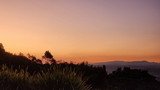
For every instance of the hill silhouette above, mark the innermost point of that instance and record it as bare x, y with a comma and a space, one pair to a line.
152, 67
28, 73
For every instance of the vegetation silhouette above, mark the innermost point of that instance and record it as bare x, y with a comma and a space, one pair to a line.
28, 73
48, 56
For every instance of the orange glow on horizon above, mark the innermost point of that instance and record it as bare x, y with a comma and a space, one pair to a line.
84, 30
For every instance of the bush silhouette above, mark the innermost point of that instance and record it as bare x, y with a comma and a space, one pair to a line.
48, 56
132, 79
28, 73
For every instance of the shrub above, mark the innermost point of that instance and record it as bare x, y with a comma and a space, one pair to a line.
52, 79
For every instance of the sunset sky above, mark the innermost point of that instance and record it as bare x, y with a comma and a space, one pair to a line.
82, 30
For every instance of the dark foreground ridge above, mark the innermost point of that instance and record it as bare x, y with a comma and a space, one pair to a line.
18, 72
153, 68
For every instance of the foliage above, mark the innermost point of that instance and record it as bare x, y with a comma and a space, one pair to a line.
22, 80
49, 57
131, 79
22, 73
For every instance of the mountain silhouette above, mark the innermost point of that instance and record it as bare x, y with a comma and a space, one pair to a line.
152, 67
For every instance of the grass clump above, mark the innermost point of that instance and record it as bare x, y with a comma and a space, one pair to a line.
52, 79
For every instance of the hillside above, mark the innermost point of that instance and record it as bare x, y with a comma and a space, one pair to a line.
152, 67
18, 72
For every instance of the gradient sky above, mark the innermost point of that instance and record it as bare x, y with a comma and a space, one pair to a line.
82, 30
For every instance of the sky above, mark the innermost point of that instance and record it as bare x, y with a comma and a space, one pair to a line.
82, 30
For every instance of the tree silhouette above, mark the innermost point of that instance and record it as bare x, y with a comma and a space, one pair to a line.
94, 76
2, 50
48, 56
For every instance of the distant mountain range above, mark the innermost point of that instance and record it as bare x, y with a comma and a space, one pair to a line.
152, 67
